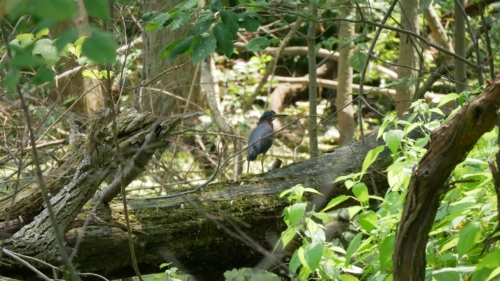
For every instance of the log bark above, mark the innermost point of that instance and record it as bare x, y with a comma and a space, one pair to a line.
223, 226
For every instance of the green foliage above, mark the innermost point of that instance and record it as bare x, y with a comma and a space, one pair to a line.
98, 9
100, 47
170, 274
250, 274
357, 61
466, 215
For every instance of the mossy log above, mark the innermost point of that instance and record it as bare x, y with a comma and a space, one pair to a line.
222, 226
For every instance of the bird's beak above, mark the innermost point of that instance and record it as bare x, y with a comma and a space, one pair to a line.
279, 115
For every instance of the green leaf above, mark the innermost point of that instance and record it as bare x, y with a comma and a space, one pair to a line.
10, 80
216, 5
204, 48
201, 27
46, 49
250, 24
258, 44
361, 192
335, 201
448, 98
468, 237
357, 61
371, 156
287, 236
482, 274
354, 210
445, 275
296, 212
312, 255
22, 40
178, 20
353, 246
67, 37
148, 15
393, 140
294, 262
98, 9
168, 49
25, 60
100, 47
180, 48
15, 8
345, 277
230, 20
42, 32
386, 250
368, 220
322, 216
491, 260
53, 9
224, 39
43, 75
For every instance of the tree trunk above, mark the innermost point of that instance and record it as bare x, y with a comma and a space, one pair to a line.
345, 115
460, 69
165, 93
313, 86
449, 146
408, 54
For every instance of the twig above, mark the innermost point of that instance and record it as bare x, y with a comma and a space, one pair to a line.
43, 188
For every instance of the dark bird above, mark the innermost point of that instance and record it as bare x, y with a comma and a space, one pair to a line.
262, 145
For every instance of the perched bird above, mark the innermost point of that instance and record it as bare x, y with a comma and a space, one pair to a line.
262, 145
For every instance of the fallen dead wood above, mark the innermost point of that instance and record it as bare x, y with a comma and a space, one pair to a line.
224, 226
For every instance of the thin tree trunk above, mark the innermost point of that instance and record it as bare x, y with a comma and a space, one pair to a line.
156, 95
408, 54
313, 86
449, 146
460, 68
345, 116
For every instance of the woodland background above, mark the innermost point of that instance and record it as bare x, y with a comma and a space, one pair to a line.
125, 124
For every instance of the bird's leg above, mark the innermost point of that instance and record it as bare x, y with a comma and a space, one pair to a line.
248, 167
262, 162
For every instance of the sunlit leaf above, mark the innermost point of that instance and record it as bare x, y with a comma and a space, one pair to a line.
312, 255
371, 156
468, 237
368, 220
393, 140
335, 201
361, 192
47, 50
353, 247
